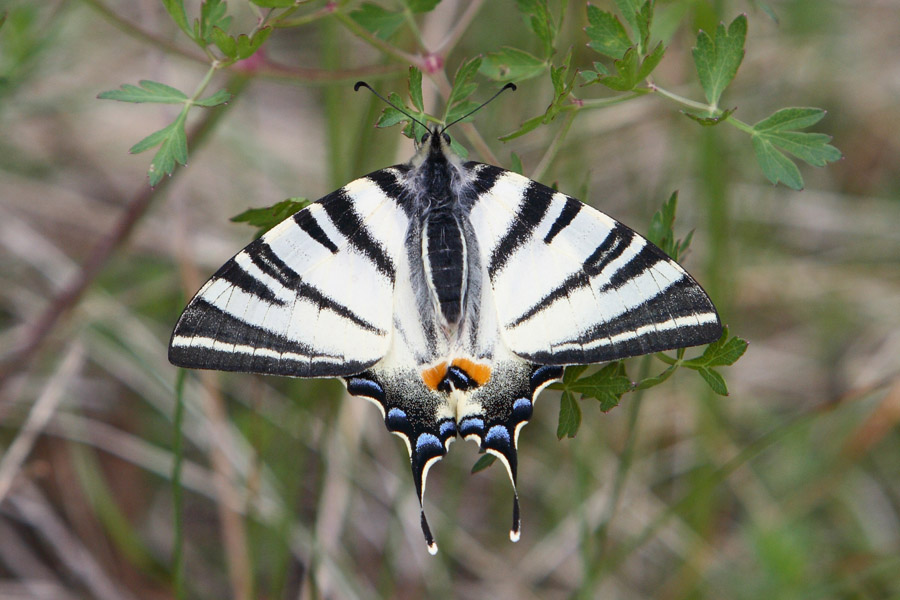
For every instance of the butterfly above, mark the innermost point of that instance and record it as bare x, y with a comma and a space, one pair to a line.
449, 293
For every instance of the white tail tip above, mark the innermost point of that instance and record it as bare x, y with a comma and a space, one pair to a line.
432, 548
514, 535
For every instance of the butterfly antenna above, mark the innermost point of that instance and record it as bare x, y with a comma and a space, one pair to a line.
360, 84
508, 86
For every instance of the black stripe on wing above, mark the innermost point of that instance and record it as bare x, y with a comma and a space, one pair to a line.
307, 222
265, 258
341, 210
612, 246
534, 205
570, 210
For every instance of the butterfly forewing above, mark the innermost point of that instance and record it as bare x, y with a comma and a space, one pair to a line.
313, 297
573, 286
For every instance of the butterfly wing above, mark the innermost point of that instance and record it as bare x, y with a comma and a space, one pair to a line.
313, 297
573, 286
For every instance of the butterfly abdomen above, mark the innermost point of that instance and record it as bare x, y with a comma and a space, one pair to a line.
444, 253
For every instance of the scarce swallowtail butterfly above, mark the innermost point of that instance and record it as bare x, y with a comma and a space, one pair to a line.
449, 293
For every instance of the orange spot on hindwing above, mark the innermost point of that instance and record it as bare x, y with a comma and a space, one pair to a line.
478, 372
433, 376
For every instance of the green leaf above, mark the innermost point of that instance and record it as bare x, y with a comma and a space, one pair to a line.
569, 416
212, 14
777, 133
643, 19
175, 8
662, 229
224, 42
415, 88
630, 70
268, 217
247, 46
421, 6
630, 10
723, 352
655, 380
606, 33
715, 381
606, 385
463, 84
511, 64
540, 21
2, 20
220, 97
485, 461
150, 91
717, 60
776, 166
527, 126
377, 20
390, 116
173, 149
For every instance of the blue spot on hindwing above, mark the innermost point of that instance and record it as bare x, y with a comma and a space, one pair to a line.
496, 436
428, 443
368, 388
522, 410
471, 425
447, 429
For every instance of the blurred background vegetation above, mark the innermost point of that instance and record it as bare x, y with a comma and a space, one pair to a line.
787, 488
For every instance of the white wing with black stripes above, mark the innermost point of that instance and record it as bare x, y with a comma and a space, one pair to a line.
573, 286
313, 297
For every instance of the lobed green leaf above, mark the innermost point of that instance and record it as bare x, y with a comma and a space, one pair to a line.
569, 416
606, 385
268, 217
776, 166
511, 64
224, 42
791, 118
715, 380
723, 352
175, 8
606, 33
172, 151
150, 91
777, 133
717, 60
464, 84
247, 46
212, 14
540, 21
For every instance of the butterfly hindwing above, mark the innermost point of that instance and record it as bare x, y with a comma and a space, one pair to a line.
313, 297
573, 286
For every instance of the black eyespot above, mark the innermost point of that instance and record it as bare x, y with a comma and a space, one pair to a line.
446, 138
425, 137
